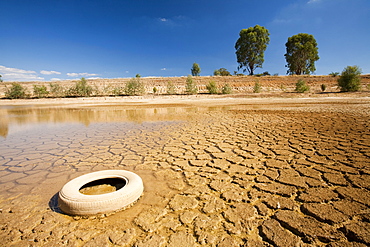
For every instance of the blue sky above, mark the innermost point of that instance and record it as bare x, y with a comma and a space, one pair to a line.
67, 39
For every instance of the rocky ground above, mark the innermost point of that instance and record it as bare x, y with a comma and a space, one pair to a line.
280, 173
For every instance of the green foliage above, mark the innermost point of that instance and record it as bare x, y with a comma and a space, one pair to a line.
257, 87
137, 75
226, 89
155, 90
334, 74
250, 48
57, 90
349, 80
171, 89
212, 87
190, 86
195, 70
134, 87
80, 89
266, 73
301, 86
1, 80
323, 87
117, 90
17, 91
221, 72
301, 54
40, 91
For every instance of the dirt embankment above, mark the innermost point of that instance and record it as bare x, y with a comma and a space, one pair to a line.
239, 84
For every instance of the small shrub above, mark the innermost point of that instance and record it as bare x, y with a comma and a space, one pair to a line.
117, 90
40, 91
134, 87
212, 87
1, 80
80, 89
56, 90
155, 90
257, 87
349, 80
17, 91
266, 73
226, 89
301, 86
190, 87
171, 89
323, 87
334, 74
107, 89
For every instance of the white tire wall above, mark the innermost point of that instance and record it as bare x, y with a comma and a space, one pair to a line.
72, 202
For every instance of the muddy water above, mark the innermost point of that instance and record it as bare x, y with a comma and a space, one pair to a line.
283, 175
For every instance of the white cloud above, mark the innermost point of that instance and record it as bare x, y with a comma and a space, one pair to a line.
80, 74
164, 69
51, 72
313, 1
5, 70
14, 74
175, 21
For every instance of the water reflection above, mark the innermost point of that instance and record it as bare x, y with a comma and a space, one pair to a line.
13, 119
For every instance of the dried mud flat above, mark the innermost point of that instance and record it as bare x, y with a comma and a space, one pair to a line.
274, 174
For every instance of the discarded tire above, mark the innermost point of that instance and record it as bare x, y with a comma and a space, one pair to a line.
129, 189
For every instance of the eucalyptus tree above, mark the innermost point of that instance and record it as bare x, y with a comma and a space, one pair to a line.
250, 48
195, 70
301, 54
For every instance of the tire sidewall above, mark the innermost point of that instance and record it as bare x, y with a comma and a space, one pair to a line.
71, 201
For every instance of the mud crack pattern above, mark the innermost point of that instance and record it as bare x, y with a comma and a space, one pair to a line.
229, 178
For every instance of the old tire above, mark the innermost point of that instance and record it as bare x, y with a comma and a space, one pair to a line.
72, 202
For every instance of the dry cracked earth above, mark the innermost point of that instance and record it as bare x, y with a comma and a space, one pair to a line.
279, 175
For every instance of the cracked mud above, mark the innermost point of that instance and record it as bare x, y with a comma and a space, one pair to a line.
279, 175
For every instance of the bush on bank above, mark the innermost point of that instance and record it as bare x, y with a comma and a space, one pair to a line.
80, 89
257, 87
56, 90
134, 87
301, 86
190, 87
16, 91
171, 89
226, 89
349, 80
212, 87
40, 91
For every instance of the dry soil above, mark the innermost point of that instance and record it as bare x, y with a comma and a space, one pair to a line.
249, 172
